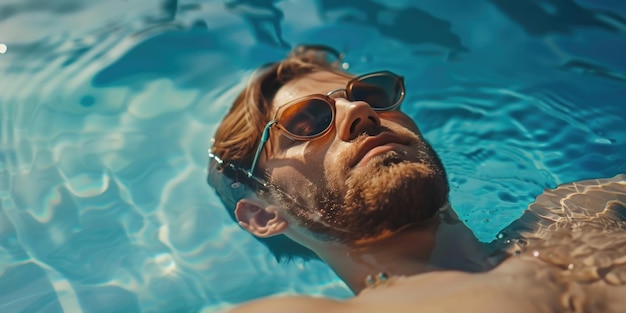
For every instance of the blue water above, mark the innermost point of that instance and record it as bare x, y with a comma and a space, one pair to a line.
107, 109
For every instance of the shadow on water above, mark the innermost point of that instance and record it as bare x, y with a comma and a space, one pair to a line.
409, 25
543, 17
264, 18
149, 56
61, 6
588, 68
169, 9
423, 28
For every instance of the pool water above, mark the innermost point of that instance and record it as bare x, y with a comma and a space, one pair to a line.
107, 109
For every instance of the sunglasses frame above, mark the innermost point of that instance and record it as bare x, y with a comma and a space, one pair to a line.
331, 103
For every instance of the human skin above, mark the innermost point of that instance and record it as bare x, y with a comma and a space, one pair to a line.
513, 287
400, 159
416, 257
328, 162
517, 285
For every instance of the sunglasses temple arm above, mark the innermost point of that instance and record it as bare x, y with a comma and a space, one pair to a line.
264, 137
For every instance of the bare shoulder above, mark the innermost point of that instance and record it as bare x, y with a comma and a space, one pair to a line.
510, 290
452, 291
291, 304
431, 292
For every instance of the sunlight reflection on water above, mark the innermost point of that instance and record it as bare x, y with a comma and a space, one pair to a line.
107, 109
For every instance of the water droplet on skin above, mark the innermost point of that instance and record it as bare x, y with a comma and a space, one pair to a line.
536, 253
570, 267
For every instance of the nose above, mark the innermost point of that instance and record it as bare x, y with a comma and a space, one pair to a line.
354, 118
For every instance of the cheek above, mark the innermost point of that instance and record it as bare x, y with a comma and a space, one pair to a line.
336, 167
298, 167
288, 177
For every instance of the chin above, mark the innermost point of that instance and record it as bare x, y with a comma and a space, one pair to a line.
404, 191
386, 195
393, 191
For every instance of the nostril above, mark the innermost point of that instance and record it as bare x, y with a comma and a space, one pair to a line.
354, 124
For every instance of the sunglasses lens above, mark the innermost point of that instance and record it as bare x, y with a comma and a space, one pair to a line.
307, 118
380, 91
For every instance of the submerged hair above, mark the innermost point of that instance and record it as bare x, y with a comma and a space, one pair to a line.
239, 134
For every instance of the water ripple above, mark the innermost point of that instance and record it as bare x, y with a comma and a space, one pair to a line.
511, 141
107, 109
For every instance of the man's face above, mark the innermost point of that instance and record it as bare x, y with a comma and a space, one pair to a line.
371, 175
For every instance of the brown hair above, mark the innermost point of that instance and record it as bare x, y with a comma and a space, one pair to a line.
239, 134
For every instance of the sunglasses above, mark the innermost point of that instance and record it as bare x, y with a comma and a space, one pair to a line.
313, 116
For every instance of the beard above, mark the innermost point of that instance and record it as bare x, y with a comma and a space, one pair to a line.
391, 192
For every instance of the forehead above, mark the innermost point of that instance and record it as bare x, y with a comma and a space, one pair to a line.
314, 83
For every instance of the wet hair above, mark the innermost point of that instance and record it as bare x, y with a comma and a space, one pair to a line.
239, 134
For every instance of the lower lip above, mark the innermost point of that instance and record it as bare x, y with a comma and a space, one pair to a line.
377, 151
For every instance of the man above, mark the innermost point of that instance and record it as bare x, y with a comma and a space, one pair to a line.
319, 163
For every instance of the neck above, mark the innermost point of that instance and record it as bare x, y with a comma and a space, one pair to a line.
444, 244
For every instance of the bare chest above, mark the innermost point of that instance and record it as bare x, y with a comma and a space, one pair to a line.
518, 285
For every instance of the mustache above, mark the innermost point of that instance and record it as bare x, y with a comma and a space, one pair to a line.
372, 130
406, 135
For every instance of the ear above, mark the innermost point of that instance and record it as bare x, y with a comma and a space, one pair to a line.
259, 218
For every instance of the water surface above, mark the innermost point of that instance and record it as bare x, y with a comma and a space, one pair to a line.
107, 109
